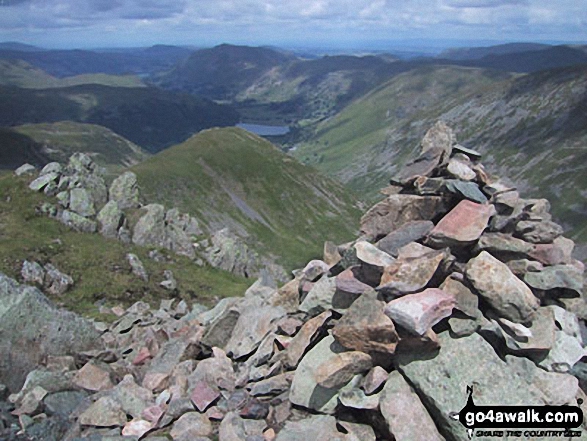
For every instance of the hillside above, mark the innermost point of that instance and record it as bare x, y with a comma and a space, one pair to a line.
60, 140
21, 74
147, 116
532, 128
474, 53
230, 177
221, 72
66, 63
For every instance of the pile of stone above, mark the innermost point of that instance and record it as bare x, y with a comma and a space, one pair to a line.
85, 204
456, 281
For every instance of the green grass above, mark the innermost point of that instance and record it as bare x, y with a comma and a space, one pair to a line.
232, 177
97, 265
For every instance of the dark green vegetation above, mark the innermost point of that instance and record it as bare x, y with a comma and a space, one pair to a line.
230, 177
60, 140
475, 53
21, 74
17, 149
97, 265
147, 116
532, 129
67, 63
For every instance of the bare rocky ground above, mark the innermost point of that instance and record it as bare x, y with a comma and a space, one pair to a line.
456, 281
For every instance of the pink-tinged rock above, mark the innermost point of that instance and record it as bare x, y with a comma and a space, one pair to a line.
556, 253
136, 428
153, 414
143, 355
347, 282
289, 325
215, 413
118, 311
155, 381
203, 395
407, 276
417, 313
341, 368
93, 378
463, 225
374, 379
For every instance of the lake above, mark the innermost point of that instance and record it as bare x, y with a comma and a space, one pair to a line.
262, 130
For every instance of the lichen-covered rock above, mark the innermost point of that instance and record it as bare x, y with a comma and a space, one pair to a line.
110, 219
32, 272
150, 228
81, 202
25, 169
77, 222
125, 191
56, 282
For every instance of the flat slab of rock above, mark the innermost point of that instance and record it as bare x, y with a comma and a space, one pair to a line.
106, 412
189, 426
406, 416
340, 369
318, 428
397, 210
556, 277
417, 313
507, 294
366, 328
405, 234
303, 339
371, 255
463, 225
442, 380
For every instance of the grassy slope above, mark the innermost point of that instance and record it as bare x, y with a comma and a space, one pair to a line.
232, 177
97, 265
62, 139
347, 146
531, 129
21, 74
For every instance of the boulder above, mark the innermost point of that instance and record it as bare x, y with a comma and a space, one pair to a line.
507, 294
406, 276
25, 169
43, 180
442, 380
150, 228
110, 219
538, 231
81, 202
78, 222
124, 191
31, 328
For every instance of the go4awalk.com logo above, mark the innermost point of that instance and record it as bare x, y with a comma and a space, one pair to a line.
520, 421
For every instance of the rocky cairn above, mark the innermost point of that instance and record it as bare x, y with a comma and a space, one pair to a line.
455, 281
86, 204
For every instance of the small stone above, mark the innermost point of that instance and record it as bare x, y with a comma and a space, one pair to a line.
371, 255
467, 190
565, 352
32, 272
189, 426
409, 232
340, 369
42, 181
93, 378
331, 254
366, 328
321, 297
417, 313
314, 269
25, 169
169, 282
137, 267
105, 412
304, 338
463, 225
466, 301
137, 428
153, 414
460, 169
81, 202
255, 409
203, 395
374, 379
56, 282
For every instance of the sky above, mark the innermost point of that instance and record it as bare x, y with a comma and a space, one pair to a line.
293, 23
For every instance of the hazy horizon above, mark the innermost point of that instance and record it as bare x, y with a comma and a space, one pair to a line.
343, 24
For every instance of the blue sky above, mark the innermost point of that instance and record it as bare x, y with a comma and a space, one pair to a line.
354, 23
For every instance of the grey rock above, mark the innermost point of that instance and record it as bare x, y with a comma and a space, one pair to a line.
190, 426
110, 219
77, 222
255, 321
169, 356
63, 403
105, 412
460, 169
504, 245
150, 228
125, 191
342, 368
321, 297
522, 266
423, 165
232, 428
81, 163
169, 281
406, 276
63, 198
178, 241
42, 181
406, 416
409, 232
442, 380
466, 301
467, 190
556, 277
56, 282
357, 399
305, 390
566, 351
538, 231
25, 169
507, 294
220, 322
52, 167
133, 398
317, 427
81, 202
473, 154
304, 338
137, 267
371, 255
32, 272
